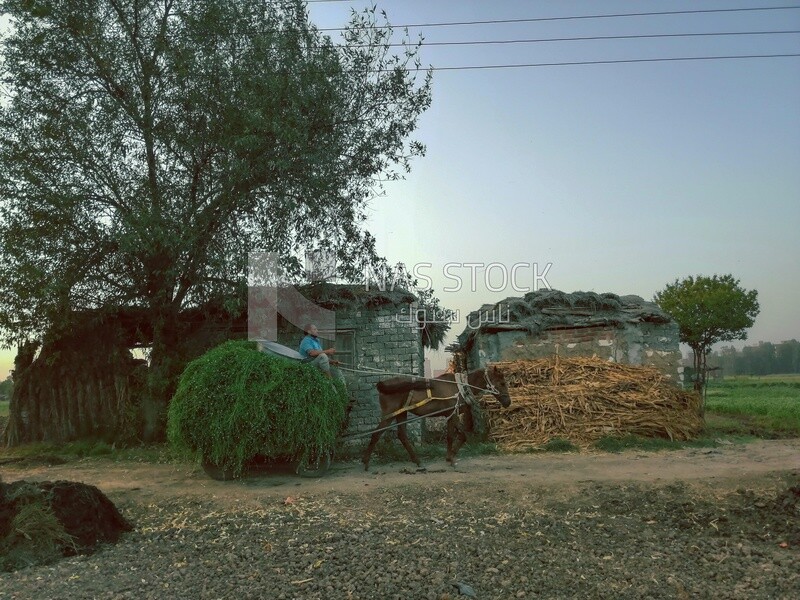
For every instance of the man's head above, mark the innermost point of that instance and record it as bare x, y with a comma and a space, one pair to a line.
311, 330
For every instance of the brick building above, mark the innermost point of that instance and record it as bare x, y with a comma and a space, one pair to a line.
624, 329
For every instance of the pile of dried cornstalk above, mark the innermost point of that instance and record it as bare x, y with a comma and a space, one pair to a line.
585, 399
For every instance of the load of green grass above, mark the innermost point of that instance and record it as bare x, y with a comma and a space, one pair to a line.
235, 403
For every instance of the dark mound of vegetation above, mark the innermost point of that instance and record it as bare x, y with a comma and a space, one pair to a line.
40, 522
235, 403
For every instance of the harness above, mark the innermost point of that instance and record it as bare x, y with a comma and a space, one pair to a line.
407, 406
464, 389
464, 393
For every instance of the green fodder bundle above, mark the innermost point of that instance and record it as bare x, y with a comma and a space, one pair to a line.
235, 403
585, 399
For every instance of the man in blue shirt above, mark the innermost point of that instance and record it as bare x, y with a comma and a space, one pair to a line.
312, 352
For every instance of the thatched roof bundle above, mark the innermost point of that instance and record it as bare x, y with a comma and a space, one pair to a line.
585, 399
547, 309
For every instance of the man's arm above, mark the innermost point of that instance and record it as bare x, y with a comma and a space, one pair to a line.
315, 353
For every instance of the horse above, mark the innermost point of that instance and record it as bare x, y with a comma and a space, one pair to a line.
426, 397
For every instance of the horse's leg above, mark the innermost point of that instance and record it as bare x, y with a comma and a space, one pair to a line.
454, 430
373, 441
460, 439
401, 435
450, 431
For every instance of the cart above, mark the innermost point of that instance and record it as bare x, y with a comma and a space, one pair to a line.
315, 464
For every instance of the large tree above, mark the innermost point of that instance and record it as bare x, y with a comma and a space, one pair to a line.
708, 310
148, 145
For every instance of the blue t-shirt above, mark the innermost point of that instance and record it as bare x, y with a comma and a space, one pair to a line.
309, 343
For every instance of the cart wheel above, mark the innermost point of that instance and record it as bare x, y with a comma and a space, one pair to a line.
217, 472
314, 464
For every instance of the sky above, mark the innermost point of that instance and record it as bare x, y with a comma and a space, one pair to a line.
623, 177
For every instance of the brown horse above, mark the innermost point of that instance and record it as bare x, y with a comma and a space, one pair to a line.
439, 397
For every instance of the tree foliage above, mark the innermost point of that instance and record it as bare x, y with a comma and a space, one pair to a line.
147, 146
709, 310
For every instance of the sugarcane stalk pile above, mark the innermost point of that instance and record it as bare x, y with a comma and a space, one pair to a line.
585, 399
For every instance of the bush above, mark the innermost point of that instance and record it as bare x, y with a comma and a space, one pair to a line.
558, 444
235, 403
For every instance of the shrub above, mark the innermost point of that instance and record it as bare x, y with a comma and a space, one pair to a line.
235, 403
558, 444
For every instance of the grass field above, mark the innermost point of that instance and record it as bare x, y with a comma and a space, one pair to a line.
3, 408
762, 406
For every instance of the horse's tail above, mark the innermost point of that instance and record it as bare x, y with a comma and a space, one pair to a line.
394, 386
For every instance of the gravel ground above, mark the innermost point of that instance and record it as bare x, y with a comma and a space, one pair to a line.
607, 540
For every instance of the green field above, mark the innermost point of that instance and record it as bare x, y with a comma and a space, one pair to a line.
3, 408
762, 406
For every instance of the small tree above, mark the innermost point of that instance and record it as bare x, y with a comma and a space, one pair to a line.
6, 388
709, 310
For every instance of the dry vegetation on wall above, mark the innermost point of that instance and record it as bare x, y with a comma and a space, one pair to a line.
585, 399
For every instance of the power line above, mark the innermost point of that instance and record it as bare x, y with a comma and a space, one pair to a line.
600, 62
575, 17
424, 44
596, 37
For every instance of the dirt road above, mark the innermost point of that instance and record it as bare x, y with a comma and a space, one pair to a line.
726, 466
703, 523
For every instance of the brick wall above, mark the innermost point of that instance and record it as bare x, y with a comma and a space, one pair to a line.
651, 344
384, 343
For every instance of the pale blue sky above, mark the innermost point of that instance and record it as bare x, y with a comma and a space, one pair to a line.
624, 177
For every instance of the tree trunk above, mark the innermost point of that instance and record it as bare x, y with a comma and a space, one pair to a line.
162, 376
699, 355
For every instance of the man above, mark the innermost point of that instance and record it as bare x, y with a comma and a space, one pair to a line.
312, 352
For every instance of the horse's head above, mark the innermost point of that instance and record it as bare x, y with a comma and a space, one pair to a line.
496, 384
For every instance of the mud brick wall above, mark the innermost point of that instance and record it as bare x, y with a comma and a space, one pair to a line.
649, 344
385, 343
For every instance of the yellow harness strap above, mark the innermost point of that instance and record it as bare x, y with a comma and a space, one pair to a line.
406, 407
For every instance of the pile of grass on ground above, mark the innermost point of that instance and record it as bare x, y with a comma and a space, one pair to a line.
30, 533
41, 522
581, 400
235, 403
